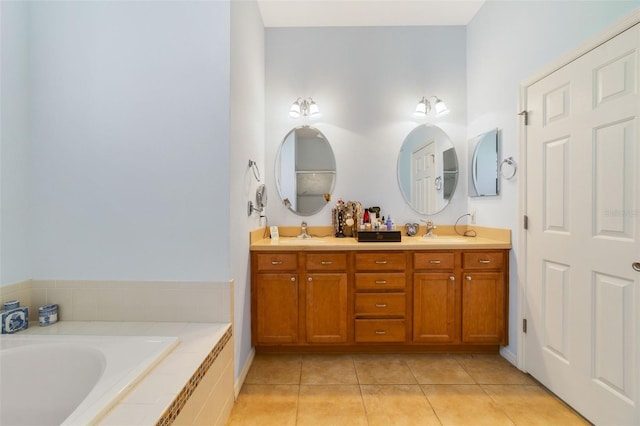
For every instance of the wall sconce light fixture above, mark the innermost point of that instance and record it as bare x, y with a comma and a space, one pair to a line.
425, 106
304, 107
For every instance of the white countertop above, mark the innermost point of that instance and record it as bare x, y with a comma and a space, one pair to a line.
145, 403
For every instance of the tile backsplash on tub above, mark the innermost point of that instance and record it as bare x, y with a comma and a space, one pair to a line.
80, 300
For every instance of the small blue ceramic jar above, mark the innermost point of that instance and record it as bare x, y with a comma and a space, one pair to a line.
48, 314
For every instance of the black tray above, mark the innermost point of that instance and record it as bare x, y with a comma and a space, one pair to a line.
379, 236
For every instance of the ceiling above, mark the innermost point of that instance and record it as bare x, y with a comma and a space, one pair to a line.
356, 13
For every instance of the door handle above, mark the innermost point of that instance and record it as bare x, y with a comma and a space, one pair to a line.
636, 266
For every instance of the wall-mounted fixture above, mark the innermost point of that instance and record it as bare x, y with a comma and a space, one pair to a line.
425, 106
254, 168
304, 107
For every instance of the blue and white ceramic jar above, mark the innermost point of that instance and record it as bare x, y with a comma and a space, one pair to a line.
48, 314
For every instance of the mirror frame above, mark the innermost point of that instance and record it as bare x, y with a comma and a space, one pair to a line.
313, 173
447, 180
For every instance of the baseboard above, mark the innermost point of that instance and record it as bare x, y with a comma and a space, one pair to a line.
509, 356
244, 372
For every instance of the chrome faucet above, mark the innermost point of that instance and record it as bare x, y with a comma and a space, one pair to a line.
430, 228
303, 231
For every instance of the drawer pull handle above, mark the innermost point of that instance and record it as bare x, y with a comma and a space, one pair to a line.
381, 332
484, 261
381, 305
277, 262
381, 281
326, 262
381, 262
435, 262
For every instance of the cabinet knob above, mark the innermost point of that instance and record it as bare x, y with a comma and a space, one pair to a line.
293, 279
468, 277
309, 279
452, 278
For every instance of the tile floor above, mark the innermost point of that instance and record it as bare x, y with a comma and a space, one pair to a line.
394, 390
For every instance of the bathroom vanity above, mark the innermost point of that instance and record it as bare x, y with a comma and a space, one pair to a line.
334, 294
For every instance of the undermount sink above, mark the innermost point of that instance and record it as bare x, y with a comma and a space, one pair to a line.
429, 240
300, 241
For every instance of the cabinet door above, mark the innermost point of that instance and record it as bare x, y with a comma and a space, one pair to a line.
434, 307
277, 308
326, 308
483, 307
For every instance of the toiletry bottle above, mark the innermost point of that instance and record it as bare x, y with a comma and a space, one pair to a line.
389, 225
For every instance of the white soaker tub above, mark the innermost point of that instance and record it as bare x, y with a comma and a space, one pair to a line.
70, 379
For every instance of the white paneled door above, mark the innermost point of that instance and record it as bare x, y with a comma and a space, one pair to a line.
423, 171
583, 241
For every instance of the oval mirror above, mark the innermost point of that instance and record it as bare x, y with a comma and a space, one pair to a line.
483, 176
427, 169
305, 170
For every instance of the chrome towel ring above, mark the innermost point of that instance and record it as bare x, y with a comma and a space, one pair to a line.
511, 170
254, 168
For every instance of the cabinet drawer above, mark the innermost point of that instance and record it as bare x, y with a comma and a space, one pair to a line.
326, 261
380, 261
380, 304
379, 282
435, 260
483, 260
373, 330
277, 261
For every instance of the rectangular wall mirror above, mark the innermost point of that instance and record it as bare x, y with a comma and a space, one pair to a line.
484, 151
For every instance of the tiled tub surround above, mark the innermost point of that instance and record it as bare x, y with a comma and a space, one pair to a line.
192, 385
132, 300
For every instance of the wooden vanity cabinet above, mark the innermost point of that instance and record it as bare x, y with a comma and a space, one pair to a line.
401, 299
380, 298
484, 297
325, 289
275, 299
435, 298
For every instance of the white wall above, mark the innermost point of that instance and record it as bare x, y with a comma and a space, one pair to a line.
366, 82
507, 42
130, 133
247, 142
14, 142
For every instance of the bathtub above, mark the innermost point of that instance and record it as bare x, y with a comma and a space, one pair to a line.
71, 379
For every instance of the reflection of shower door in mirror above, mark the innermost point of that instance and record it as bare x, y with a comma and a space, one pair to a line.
423, 172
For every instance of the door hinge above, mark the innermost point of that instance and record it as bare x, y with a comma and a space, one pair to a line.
524, 325
526, 116
526, 222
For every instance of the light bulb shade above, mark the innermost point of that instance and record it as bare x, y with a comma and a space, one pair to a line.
440, 108
421, 108
314, 111
295, 110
